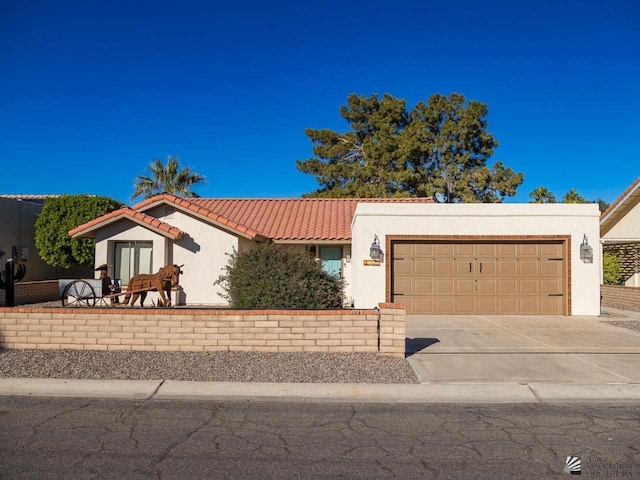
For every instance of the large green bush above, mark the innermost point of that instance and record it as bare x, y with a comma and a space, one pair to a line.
61, 214
611, 269
273, 276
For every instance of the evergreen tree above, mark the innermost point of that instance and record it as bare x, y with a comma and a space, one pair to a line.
439, 146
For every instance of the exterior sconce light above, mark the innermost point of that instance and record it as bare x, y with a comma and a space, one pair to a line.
375, 252
586, 252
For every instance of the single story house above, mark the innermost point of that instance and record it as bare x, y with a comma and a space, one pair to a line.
620, 232
435, 258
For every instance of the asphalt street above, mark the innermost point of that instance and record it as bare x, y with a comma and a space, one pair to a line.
95, 438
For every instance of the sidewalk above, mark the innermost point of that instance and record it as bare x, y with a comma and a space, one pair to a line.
438, 393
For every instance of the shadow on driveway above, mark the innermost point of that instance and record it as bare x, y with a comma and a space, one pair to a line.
414, 345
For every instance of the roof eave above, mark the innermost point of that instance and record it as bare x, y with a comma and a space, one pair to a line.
91, 231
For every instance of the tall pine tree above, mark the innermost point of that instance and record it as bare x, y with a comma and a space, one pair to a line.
438, 146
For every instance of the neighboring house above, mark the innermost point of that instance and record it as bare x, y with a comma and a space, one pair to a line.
620, 232
18, 215
437, 258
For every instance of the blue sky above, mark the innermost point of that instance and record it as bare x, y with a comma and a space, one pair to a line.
91, 94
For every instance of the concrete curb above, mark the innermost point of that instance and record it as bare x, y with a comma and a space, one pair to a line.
429, 393
347, 392
585, 393
59, 387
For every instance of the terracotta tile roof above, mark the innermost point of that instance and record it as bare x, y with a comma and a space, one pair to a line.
140, 218
193, 206
618, 209
295, 219
286, 219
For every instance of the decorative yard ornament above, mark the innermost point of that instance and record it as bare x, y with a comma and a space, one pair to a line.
161, 282
8, 278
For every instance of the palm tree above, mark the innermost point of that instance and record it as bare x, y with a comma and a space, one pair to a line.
542, 195
171, 179
572, 196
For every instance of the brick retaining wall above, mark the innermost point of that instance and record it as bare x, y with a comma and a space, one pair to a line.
625, 298
205, 330
33, 292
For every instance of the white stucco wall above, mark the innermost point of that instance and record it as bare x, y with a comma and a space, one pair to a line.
203, 253
477, 219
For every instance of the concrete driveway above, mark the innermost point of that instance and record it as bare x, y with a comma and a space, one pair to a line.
482, 348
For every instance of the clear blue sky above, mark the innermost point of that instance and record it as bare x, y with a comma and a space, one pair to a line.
90, 94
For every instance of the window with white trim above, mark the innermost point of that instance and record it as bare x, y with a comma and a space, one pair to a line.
132, 258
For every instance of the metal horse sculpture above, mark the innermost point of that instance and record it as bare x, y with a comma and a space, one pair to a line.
161, 282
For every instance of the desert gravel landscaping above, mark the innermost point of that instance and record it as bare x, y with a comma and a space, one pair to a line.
212, 367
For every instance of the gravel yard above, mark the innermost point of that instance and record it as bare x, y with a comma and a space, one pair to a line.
630, 324
212, 367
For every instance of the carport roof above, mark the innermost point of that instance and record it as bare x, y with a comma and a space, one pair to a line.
618, 209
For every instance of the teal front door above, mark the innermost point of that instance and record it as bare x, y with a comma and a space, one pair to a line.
331, 258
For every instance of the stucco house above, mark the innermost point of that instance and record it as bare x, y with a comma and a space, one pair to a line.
435, 258
620, 232
18, 215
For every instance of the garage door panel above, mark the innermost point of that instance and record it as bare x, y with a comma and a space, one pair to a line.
464, 266
527, 250
403, 267
551, 305
507, 286
443, 286
403, 285
422, 304
464, 286
507, 250
403, 249
444, 305
528, 306
487, 266
507, 267
423, 266
528, 287
487, 286
505, 278
486, 250
465, 305
423, 286
443, 249
548, 286
464, 250
507, 305
444, 267
551, 268
423, 250
487, 305
552, 250
528, 268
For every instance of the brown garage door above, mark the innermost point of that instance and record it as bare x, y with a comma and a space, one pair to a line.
480, 277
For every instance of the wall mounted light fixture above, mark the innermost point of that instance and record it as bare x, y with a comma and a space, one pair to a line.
375, 252
586, 252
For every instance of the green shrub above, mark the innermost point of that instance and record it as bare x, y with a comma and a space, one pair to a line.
611, 269
61, 214
273, 276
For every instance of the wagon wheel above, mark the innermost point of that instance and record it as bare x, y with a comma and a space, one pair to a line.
78, 294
